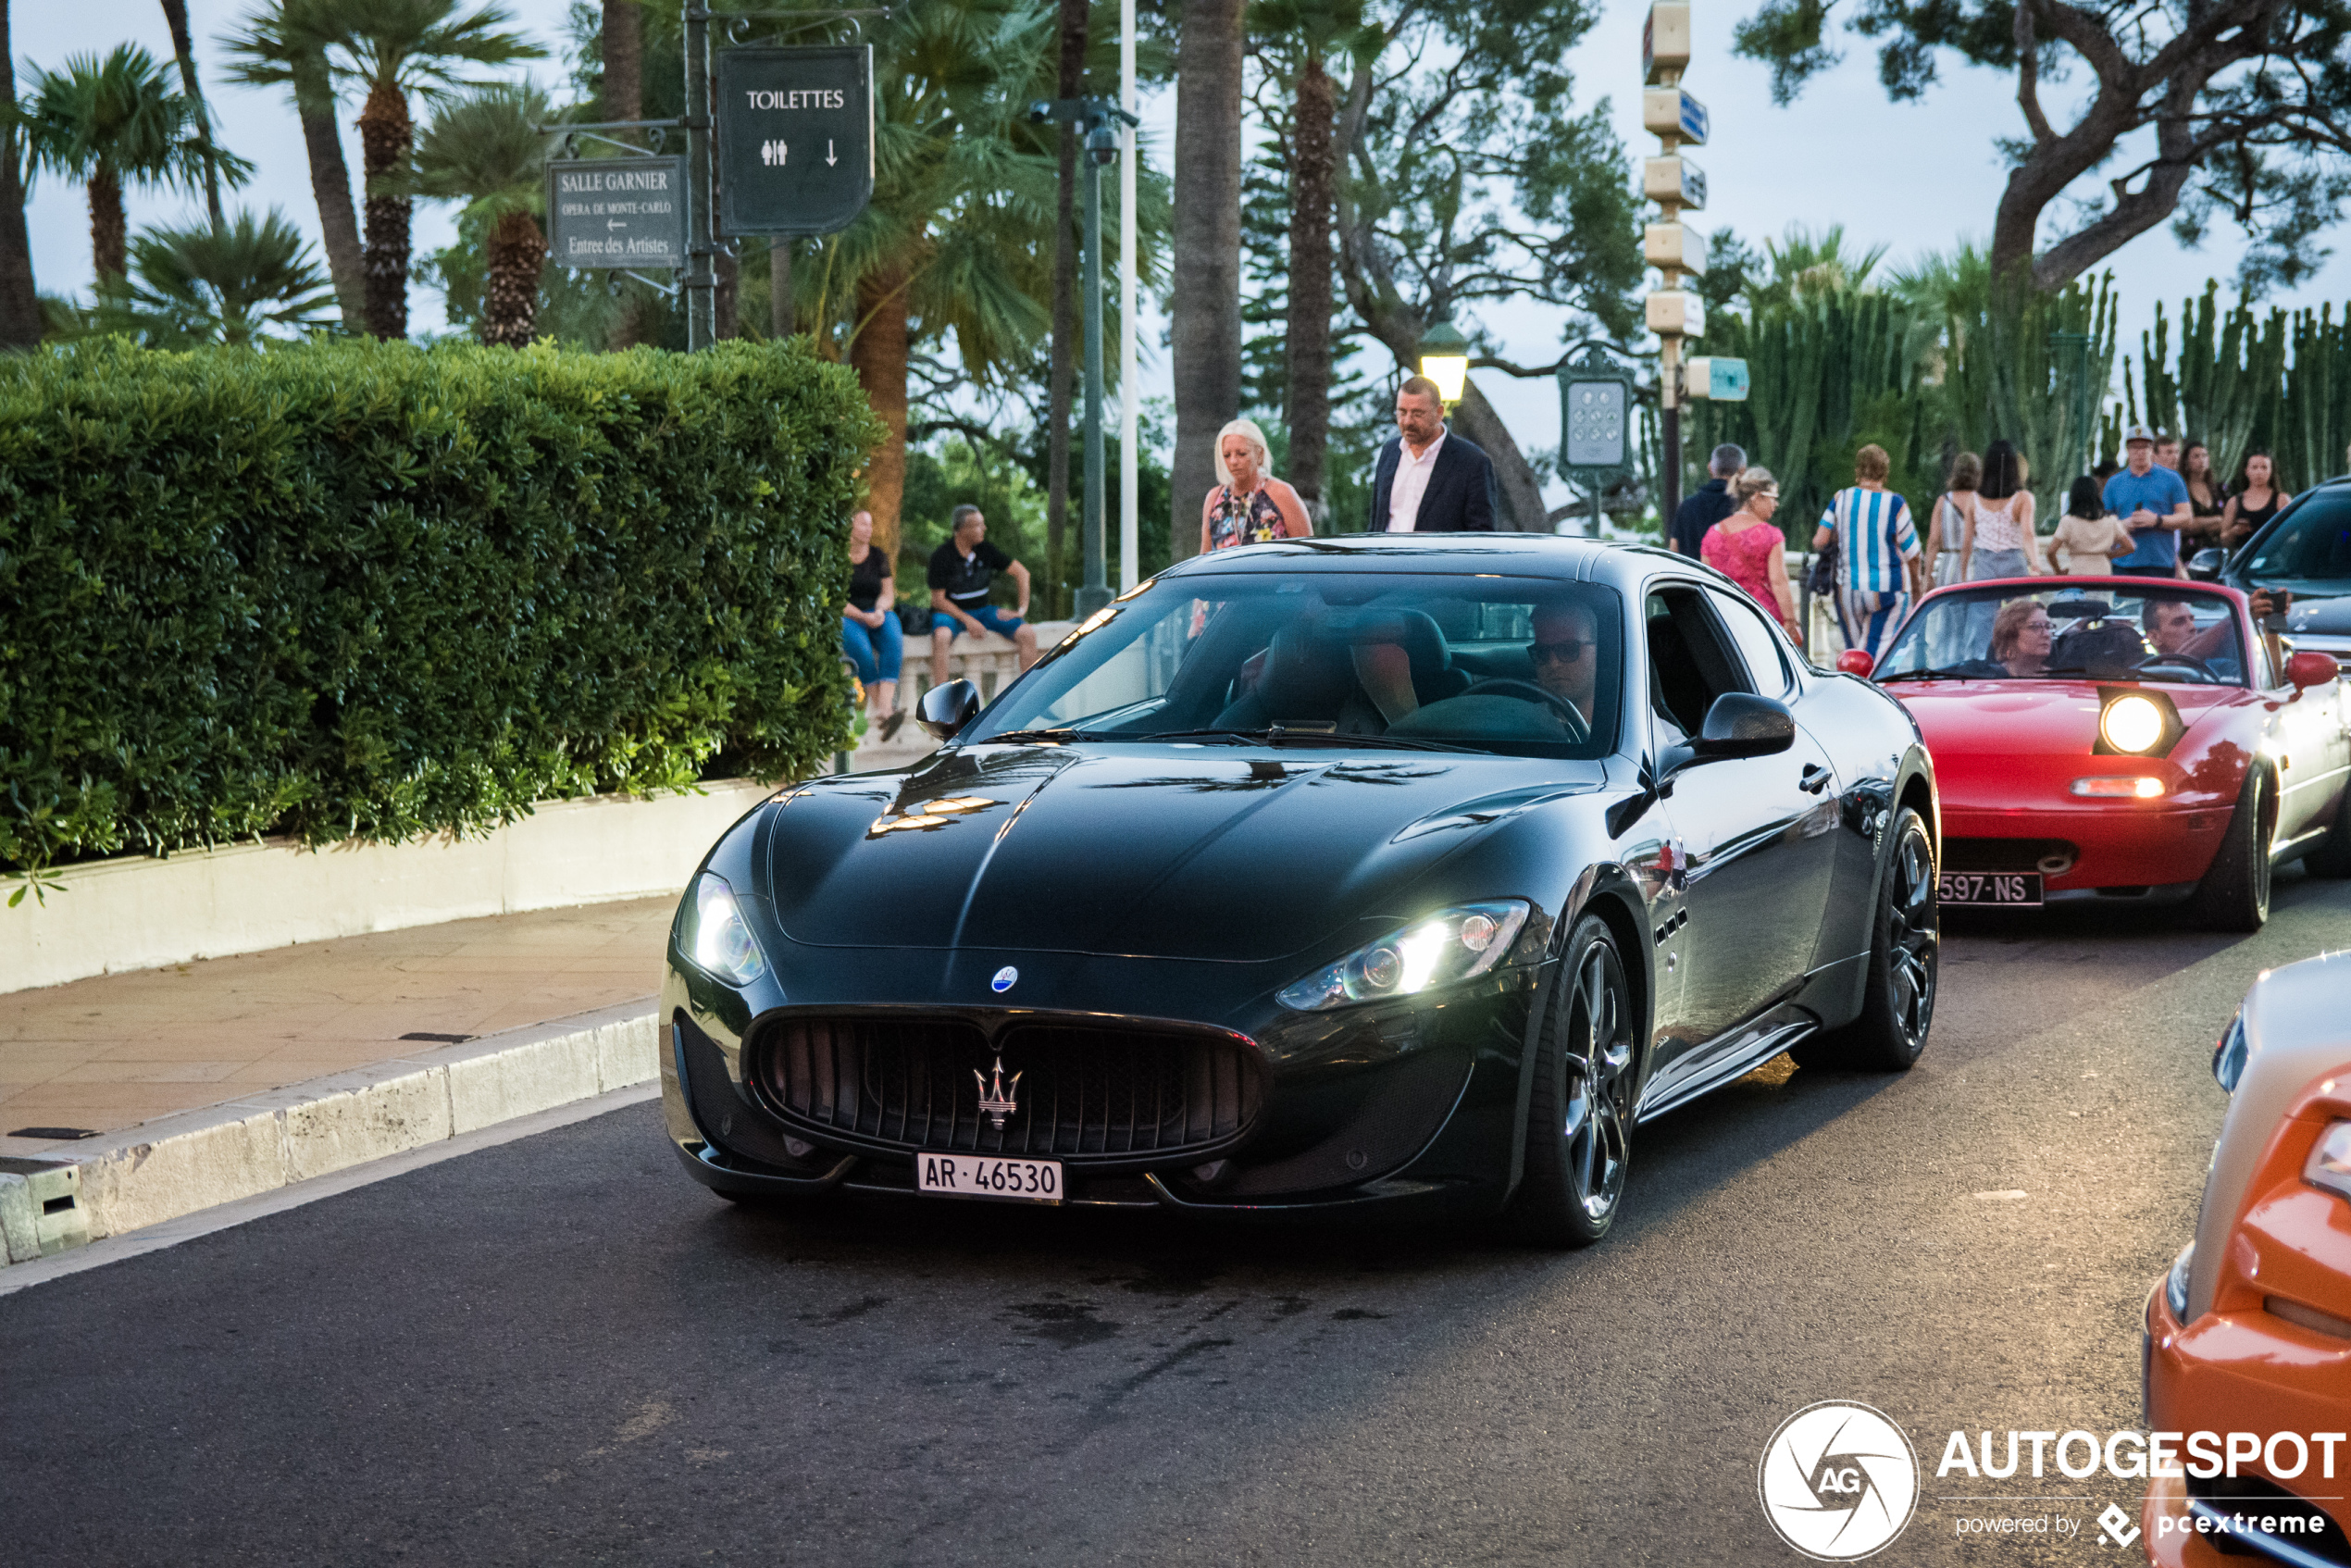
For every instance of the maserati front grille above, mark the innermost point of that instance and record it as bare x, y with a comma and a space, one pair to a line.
1071, 1091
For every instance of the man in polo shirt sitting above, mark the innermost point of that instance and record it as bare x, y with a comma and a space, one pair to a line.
2152, 501
962, 570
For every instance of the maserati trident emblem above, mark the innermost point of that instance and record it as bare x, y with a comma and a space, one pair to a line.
997, 1100
1003, 979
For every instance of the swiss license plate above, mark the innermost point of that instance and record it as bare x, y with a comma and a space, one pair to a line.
2011, 890
982, 1175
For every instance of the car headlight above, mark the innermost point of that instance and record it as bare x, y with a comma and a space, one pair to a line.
2133, 723
715, 937
2329, 1163
2175, 1284
1451, 945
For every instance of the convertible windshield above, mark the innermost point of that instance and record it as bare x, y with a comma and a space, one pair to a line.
1522, 666
2158, 633
2309, 550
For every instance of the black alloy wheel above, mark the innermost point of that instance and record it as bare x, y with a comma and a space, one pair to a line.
1580, 1115
2235, 894
1906, 942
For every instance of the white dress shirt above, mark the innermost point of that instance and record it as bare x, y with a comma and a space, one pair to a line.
1412, 483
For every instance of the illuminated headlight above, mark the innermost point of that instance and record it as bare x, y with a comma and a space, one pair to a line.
2329, 1163
2119, 788
715, 937
2131, 724
2175, 1284
1450, 946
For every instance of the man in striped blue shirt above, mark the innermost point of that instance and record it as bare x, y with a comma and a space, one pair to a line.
1878, 568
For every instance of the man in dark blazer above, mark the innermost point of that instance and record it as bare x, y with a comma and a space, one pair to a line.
1429, 480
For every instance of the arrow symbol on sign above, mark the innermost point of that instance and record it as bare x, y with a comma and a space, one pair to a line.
829, 160
613, 223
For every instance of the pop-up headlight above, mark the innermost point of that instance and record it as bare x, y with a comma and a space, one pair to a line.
1451, 945
715, 937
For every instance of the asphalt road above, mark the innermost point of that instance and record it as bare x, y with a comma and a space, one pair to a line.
559, 1351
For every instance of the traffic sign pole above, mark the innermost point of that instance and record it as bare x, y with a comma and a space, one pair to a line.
701, 282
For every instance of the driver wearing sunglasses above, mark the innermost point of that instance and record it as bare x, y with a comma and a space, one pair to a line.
1566, 653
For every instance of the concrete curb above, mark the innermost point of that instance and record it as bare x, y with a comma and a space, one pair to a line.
177, 1164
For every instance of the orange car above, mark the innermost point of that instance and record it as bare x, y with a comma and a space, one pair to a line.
2247, 1354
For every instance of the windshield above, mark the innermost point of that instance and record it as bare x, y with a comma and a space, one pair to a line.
2157, 633
1522, 666
2308, 551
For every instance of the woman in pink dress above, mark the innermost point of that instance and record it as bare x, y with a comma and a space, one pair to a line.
1749, 549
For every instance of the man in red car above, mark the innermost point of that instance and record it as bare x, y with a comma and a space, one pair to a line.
2171, 628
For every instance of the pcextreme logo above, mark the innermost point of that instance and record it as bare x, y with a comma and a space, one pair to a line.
1838, 1481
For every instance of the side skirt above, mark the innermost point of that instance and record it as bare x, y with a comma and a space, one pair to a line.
1742, 1051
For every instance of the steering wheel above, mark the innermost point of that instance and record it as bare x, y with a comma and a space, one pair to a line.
1526, 690
2202, 671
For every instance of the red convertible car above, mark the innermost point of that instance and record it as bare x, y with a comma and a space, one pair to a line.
2122, 737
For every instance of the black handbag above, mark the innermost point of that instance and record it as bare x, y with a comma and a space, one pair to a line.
913, 619
1820, 578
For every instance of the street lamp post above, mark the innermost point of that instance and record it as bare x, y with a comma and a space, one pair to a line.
1096, 117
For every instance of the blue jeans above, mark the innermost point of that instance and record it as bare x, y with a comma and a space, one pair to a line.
876, 651
1003, 622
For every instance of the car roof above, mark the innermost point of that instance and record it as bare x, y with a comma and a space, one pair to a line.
1530, 554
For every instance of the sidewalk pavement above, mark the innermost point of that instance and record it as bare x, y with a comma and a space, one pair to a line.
107, 1053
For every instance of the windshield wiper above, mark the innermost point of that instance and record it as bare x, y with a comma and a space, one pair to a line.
1055, 736
1932, 674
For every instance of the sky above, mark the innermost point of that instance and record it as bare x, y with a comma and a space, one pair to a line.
1914, 177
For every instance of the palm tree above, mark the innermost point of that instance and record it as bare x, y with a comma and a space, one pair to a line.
392, 48
183, 49
1309, 32
219, 283
957, 240
1204, 314
115, 121
281, 43
485, 149
21, 307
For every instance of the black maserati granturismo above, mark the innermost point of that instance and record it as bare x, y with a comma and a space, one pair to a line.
1315, 875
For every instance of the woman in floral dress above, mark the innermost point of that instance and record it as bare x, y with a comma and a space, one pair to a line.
1251, 506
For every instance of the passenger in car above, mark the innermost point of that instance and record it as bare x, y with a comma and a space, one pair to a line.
1567, 653
2022, 634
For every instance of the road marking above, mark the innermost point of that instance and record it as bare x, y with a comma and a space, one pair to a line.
170, 1233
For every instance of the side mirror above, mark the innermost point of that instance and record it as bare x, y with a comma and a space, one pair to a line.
1853, 660
2305, 670
945, 710
2205, 565
1743, 725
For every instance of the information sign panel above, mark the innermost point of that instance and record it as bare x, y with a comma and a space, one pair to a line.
1595, 427
795, 139
616, 212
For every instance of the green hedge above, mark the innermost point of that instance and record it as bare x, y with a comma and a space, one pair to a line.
355, 590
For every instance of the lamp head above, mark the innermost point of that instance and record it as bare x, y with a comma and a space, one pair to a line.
1445, 359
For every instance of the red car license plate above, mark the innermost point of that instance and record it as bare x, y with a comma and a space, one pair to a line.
2008, 890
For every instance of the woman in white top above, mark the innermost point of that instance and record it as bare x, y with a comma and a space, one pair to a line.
2089, 537
2000, 542
1953, 513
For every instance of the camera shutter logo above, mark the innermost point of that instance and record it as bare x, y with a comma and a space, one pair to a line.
1838, 1481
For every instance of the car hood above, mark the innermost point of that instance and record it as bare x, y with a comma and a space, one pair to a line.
2325, 617
1985, 734
1222, 853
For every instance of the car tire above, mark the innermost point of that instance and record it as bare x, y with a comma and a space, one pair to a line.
2332, 857
1906, 946
1580, 1115
2235, 894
